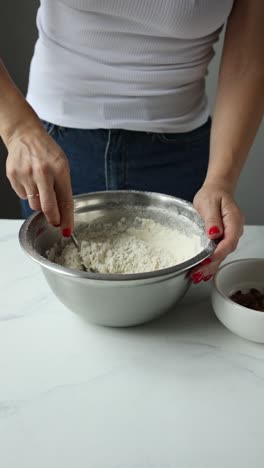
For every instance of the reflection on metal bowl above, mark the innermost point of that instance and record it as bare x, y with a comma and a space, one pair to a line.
118, 300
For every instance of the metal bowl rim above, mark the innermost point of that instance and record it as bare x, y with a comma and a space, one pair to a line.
44, 262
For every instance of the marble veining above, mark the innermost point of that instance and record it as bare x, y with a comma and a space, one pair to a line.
181, 391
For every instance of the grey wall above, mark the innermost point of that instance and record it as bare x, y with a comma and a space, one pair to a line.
16, 50
17, 37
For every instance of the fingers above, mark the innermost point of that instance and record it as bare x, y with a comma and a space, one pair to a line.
48, 201
32, 194
223, 221
19, 189
199, 276
35, 204
211, 214
55, 193
38, 170
233, 229
38, 182
65, 202
23, 191
204, 271
12, 175
232, 233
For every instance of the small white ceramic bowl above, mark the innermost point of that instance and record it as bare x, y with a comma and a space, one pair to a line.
231, 277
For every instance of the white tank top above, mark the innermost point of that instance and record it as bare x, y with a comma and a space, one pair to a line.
131, 64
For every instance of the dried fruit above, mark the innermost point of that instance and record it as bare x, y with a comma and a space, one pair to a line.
253, 299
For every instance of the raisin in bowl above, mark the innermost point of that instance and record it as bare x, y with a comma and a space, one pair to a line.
238, 297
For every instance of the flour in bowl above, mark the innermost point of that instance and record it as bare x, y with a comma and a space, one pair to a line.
125, 248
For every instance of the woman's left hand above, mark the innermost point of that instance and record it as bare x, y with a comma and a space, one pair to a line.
223, 220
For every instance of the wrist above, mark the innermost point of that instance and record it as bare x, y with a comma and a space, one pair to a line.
16, 115
25, 121
220, 182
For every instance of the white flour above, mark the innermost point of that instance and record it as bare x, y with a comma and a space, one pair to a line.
121, 248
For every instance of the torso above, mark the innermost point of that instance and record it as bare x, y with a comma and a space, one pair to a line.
135, 64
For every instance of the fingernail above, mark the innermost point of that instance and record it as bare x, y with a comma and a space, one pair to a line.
197, 276
206, 261
197, 280
207, 278
214, 230
66, 232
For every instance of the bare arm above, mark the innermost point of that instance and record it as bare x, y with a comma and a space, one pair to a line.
15, 113
240, 97
35, 163
238, 113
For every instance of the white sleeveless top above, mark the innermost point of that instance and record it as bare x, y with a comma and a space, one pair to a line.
131, 64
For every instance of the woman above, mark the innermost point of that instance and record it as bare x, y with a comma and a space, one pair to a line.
120, 87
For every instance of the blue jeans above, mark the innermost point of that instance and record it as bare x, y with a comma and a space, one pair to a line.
170, 163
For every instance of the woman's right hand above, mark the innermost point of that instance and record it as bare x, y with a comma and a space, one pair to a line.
37, 166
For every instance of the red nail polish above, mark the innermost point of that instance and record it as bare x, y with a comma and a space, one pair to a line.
207, 278
197, 280
206, 261
66, 232
214, 230
197, 276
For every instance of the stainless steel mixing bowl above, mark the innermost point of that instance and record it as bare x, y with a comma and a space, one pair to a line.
118, 300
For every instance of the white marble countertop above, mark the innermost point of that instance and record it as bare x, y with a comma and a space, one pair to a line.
181, 392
